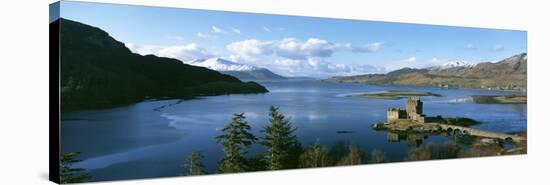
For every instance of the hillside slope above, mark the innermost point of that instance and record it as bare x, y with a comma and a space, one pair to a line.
97, 69
507, 74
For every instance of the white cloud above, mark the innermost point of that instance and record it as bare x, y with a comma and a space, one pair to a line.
217, 30
235, 30
295, 49
293, 57
292, 48
471, 46
249, 49
267, 29
203, 35
319, 68
412, 59
184, 52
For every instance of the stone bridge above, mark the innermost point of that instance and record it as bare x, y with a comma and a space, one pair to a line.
480, 133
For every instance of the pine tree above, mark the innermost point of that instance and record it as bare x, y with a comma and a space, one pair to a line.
280, 141
315, 156
194, 164
235, 140
69, 174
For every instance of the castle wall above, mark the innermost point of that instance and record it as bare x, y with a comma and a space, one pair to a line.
413, 111
393, 114
414, 106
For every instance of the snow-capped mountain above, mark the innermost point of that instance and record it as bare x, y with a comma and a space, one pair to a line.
241, 71
451, 68
220, 64
455, 64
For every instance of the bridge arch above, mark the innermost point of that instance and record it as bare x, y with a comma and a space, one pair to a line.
457, 131
508, 140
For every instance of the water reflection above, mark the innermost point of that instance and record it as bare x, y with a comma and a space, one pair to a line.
155, 136
412, 139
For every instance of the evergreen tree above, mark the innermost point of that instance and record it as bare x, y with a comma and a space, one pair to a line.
235, 140
256, 162
280, 141
194, 164
315, 156
69, 174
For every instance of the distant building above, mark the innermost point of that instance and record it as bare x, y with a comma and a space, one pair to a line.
413, 111
395, 114
414, 106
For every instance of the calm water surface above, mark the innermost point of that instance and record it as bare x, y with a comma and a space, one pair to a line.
153, 138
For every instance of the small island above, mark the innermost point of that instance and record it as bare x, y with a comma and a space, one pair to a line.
503, 99
395, 94
412, 120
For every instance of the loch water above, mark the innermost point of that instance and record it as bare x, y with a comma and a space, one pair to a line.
153, 138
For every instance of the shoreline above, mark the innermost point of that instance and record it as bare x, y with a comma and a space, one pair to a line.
499, 99
394, 94
428, 86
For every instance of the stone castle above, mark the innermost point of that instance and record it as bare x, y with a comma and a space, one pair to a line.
412, 120
413, 111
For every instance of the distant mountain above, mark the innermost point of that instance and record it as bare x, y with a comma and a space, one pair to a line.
97, 69
258, 74
406, 70
511, 68
451, 69
454, 65
241, 71
507, 74
220, 64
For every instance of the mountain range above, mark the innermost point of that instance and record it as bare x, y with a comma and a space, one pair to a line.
241, 71
506, 74
97, 69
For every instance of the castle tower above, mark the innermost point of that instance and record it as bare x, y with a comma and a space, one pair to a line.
413, 107
394, 114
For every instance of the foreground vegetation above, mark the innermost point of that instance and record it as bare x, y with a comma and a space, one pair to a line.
67, 173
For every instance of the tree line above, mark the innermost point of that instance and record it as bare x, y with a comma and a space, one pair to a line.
283, 150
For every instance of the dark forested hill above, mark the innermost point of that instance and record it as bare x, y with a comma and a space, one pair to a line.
97, 69
507, 74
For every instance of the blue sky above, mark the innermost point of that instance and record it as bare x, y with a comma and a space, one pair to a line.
293, 45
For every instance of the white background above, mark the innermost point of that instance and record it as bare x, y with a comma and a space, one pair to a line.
24, 91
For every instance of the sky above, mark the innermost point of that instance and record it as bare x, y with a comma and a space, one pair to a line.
294, 45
